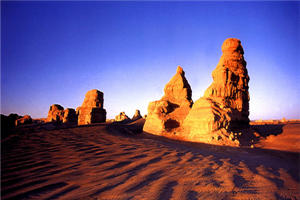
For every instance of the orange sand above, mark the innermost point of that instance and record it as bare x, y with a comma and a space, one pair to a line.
94, 162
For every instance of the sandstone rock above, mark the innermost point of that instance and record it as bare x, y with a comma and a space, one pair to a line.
56, 113
91, 110
121, 117
24, 120
93, 99
69, 116
165, 116
223, 111
137, 115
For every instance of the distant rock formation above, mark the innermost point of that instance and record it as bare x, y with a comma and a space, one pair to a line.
166, 116
24, 120
91, 110
137, 115
121, 117
221, 115
56, 113
8, 122
70, 116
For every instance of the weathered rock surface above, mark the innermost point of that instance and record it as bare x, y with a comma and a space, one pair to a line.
166, 116
137, 115
70, 116
24, 120
121, 117
56, 113
221, 115
91, 110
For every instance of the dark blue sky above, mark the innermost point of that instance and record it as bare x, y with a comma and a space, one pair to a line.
54, 52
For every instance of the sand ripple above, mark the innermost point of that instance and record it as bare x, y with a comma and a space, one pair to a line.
92, 163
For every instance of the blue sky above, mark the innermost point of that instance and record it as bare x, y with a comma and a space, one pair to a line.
54, 52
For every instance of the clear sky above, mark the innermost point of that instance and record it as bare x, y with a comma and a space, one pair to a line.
54, 52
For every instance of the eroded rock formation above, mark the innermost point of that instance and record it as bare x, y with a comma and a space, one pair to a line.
70, 116
137, 115
166, 116
121, 117
91, 110
56, 113
221, 115
24, 120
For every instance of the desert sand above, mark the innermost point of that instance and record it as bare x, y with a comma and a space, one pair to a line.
112, 161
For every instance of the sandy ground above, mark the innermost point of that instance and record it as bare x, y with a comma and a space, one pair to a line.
109, 163
285, 137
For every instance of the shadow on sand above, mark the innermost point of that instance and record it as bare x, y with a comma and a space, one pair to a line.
268, 129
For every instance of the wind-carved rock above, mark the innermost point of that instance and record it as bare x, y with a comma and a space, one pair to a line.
23, 120
69, 116
91, 110
221, 115
56, 113
166, 116
137, 115
121, 117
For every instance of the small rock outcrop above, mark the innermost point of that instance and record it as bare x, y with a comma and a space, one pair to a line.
91, 110
24, 120
121, 117
221, 115
70, 116
56, 113
166, 116
137, 115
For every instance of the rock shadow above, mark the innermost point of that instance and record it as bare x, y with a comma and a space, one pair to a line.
63, 192
149, 179
273, 160
37, 191
171, 124
239, 181
172, 107
167, 191
192, 195
268, 129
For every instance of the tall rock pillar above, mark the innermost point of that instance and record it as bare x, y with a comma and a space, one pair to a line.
221, 115
166, 116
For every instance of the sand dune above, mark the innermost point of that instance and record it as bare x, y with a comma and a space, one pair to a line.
97, 162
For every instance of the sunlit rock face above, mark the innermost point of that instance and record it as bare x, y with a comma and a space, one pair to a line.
137, 115
121, 117
91, 110
166, 116
56, 113
221, 115
70, 116
23, 120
